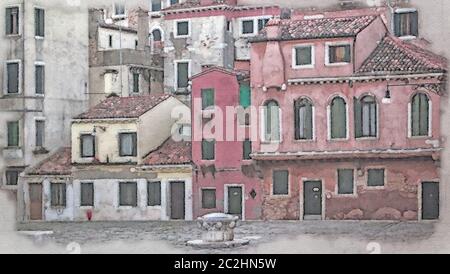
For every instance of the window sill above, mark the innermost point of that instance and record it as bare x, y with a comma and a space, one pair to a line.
13, 36
407, 37
9, 187
337, 195
367, 139
127, 207
419, 137
58, 207
154, 206
374, 187
280, 196
303, 67
337, 64
305, 140
37, 37
182, 36
119, 16
247, 35
86, 207
40, 150
338, 140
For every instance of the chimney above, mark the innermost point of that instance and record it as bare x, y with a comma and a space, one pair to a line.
143, 29
273, 29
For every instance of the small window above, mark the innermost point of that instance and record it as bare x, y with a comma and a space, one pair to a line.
303, 119
173, 2
12, 21
110, 41
128, 194
87, 142
182, 74
247, 148
280, 182
207, 98
156, 5
39, 22
208, 149
271, 121
12, 69
345, 181
12, 177
154, 193
119, 9
58, 194
182, 28
156, 35
262, 23
303, 56
406, 24
135, 82
420, 120
339, 54
248, 27
208, 198
13, 134
87, 194
136, 44
366, 117
185, 130
375, 177
228, 25
338, 118
245, 95
128, 144
39, 79
40, 133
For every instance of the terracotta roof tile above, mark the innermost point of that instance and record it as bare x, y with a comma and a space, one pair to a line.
60, 163
123, 107
170, 153
393, 55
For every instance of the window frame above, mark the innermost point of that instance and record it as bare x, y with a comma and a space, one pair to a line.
160, 6
19, 21
377, 118
81, 194
36, 121
13, 170
210, 106
263, 123
119, 201
255, 24
64, 193
410, 118
176, 22
294, 56
296, 122
176, 62
136, 86
366, 185
402, 11
337, 44
94, 150
354, 188
41, 65
246, 157
134, 137
160, 193
272, 193
19, 76
37, 33
19, 133
203, 158
115, 15
329, 116
215, 197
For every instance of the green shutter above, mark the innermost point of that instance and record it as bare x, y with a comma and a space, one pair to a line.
414, 19
358, 117
338, 119
154, 193
207, 98
348, 54
208, 152
13, 134
247, 148
280, 182
208, 198
8, 21
345, 181
244, 95
397, 24
182, 75
375, 177
13, 77
424, 111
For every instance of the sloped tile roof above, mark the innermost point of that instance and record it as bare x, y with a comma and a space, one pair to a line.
170, 153
393, 55
319, 28
123, 107
60, 163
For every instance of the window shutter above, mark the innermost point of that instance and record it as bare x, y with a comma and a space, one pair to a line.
40, 131
414, 23
134, 144
308, 129
280, 182
136, 82
208, 198
358, 117
338, 119
207, 98
40, 74
347, 56
247, 148
182, 73
208, 152
13, 134
8, 21
424, 111
275, 123
415, 116
87, 194
244, 95
397, 24
154, 193
13, 77
345, 181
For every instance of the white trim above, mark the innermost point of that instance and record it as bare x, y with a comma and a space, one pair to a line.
176, 62
20, 74
302, 198
225, 200
39, 64
347, 129
38, 37
175, 26
294, 56
355, 176
119, 16
366, 178
405, 10
365, 78
157, 28
20, 18
255, 20
430, 117
327, 53
275, 196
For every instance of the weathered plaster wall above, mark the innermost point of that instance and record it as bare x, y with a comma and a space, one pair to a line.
124, 39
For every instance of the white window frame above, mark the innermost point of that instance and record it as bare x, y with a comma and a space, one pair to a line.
241, 27
366, 178
378, 105
430, 118
327, 53
119, 206
19, 31
272, 184
347, 131
36, 64
5, 82
80, 157
401, 11
294, 56
355, 177
119, 16
151, 11
176, 62
263, 126
156, 28
38, 37
175, 28
93, 189
41, 119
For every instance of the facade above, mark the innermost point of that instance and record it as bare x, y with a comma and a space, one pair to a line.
44, 80
118, 167
350, 119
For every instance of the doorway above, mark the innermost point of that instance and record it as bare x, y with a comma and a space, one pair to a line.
234, 200
177, 200
312, 200
430, 201
35, 191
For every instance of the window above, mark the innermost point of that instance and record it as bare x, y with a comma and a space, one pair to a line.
366, 117
182, 28
39, 22
247, 148
345, 181
245, 95
154, 193
128, 144
156, 35
12, 21
338, 119
119, 9
262, 23
135, 82
406, 23
13, 134
40, 133
156, 5
420, 120
87, 142
182, 74
208, 198
303, 57
271, 121
248, 26
280, 182
173, 2
185, 130
207, 98
39, 71
303, 119
208, 149
58, 194
375, 177
12, 69
12, 177
87, 194
110, 41
136, 43
339, 54
128, 194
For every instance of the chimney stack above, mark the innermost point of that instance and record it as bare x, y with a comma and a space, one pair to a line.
143, 29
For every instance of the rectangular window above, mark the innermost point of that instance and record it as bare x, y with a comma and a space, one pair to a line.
247, 148
12, 177
87, 142
135, 82
262, 23
110, 41
154, 193
375, 177
128, 144
173, 2
12, 77
339, 54
182, 74
40, 133
182, 28
12, 21
207, 98
208, 198
303, 56
208, 148
156, 5
245, 95
13, 134
248, 27
280, 182
406, 24
119, 9
87, 194
345, 181
39, 22
39, 71
128, 194
58, 194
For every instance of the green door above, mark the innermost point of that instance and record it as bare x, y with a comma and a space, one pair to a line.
235, 200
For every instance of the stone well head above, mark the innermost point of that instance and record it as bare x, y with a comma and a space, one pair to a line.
218, 227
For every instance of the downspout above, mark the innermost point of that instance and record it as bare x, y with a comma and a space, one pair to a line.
22, 83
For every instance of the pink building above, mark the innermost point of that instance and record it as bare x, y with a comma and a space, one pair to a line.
350, 119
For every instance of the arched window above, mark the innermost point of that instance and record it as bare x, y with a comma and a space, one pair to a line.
338, 118
420, 120
271, 121
366, 117
303, 111
156, 35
